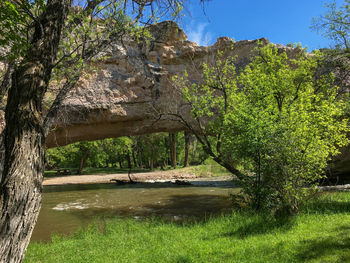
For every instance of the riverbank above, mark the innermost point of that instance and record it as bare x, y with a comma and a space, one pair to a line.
320, 233
146, 177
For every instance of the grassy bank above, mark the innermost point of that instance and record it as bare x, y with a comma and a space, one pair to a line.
320, 233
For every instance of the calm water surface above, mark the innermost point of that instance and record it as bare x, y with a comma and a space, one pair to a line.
67, 208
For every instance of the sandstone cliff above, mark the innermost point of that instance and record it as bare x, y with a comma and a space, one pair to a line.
129, 86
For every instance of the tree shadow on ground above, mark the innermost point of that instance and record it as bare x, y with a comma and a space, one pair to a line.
257, 224
333, 246
326, 206
260, 224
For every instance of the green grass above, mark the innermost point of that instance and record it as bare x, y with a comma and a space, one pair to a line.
320, 233
205, 170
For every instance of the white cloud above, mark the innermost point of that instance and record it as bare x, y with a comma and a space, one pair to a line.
198, 34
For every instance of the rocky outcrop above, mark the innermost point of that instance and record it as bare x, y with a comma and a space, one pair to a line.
128, 87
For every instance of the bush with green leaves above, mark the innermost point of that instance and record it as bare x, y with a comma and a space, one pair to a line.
275, 125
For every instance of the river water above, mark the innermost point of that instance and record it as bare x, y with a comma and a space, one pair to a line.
67, 208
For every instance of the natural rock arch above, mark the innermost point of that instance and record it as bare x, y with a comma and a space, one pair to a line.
128, 88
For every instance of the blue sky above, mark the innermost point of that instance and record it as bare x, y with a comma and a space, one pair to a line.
279, 21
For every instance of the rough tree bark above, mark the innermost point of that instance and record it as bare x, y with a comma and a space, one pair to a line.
24, 135
20, 186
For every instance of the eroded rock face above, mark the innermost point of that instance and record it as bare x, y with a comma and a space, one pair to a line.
128, 87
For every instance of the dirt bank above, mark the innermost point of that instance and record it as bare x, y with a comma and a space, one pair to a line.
148, 177
106, 178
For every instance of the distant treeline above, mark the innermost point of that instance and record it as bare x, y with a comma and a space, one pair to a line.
151, 151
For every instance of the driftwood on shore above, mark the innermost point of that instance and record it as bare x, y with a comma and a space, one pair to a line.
122, 182
181, 182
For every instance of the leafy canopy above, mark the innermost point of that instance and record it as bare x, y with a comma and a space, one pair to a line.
275, 124
335, 24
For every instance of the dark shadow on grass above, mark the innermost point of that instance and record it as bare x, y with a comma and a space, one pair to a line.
337, 245
260, 224
324, 206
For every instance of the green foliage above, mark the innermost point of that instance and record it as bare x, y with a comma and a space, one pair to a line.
95, 154
61, 156
13, 28
335, 24
319, 234
154, 149
209, 168
146, 151
274, 120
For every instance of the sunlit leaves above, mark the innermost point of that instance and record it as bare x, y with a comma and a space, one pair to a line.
277, 121
335, 24
13, 28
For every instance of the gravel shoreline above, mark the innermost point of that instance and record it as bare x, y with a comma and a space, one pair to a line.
149, 177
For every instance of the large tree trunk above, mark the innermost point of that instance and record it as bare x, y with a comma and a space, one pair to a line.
21, 180
187, 147
128, 158
82, 163
120, 164
134, 158
173, 149
2, 154
150, 161
141, 162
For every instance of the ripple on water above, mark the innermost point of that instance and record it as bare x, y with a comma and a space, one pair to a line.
69, 206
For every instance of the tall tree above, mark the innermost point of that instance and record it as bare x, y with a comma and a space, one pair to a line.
187, 147
20, 195
274, 124
334, 24
173, 149
39, 31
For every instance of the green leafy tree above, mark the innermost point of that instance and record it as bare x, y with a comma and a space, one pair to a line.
334, 25
273, 125
61, 157
155, 149
152, 150
36, 37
